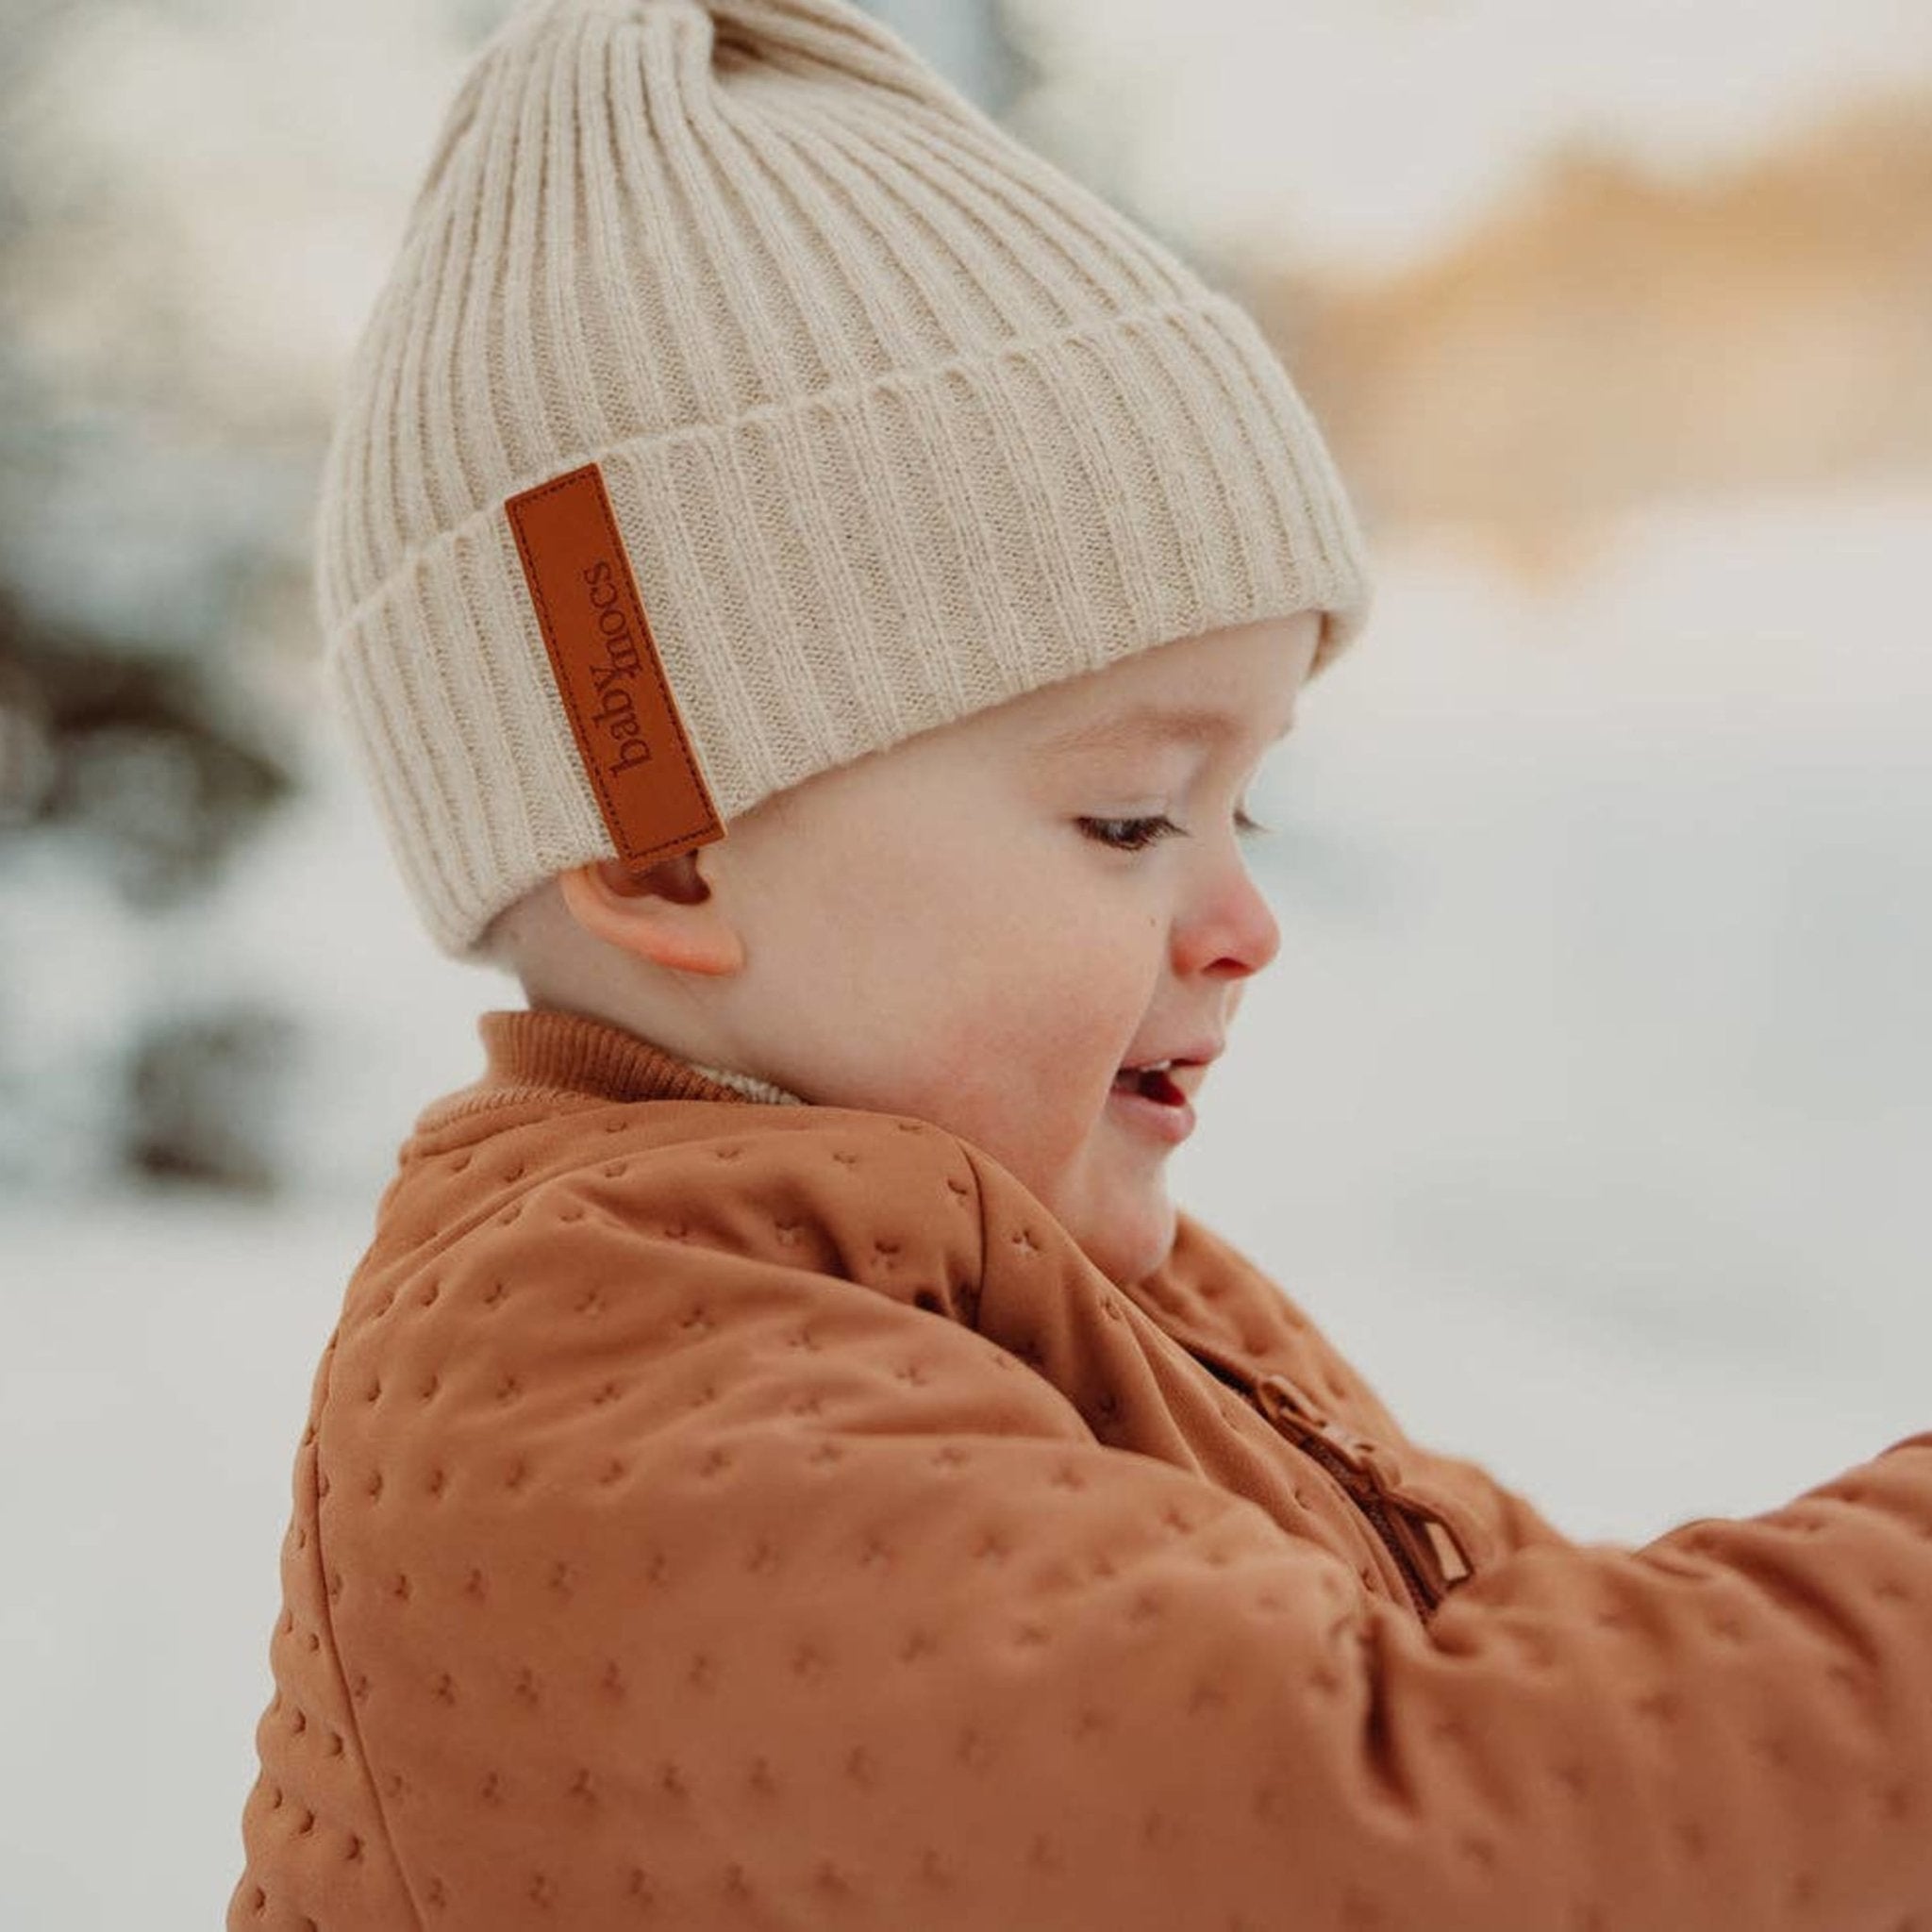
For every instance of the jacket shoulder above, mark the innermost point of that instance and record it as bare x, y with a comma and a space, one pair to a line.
878, 1199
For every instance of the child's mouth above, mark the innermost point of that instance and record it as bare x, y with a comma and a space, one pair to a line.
1151, 1102
1153, 1082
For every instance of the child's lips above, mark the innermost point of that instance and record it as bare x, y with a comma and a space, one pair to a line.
1185, 1075
1170, 1120
1191, 1060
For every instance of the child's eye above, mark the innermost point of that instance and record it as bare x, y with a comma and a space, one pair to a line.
1127, 834
1136, 834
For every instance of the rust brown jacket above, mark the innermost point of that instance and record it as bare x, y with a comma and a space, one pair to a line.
715, 1514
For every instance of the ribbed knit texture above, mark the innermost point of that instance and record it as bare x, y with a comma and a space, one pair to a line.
532, 1050
898, 422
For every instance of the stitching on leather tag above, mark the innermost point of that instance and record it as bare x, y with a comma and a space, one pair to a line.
642, 772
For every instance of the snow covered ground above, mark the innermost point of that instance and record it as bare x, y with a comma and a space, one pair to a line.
1587, 1106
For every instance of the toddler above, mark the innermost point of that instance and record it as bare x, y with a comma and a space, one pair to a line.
810, 588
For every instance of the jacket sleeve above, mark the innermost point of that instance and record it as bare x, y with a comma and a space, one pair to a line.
824, 1610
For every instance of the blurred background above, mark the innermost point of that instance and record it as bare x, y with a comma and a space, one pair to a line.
1589, 1102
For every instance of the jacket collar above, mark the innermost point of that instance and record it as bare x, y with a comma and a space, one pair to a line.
531, 1051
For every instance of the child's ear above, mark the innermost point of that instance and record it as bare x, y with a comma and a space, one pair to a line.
668, 915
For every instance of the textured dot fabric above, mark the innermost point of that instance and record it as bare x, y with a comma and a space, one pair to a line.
716, 1515
897, 421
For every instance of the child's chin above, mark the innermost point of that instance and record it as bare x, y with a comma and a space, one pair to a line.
1135, 1240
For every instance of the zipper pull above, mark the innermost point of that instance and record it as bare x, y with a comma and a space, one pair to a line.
1289, 1410
1425, 1539
1432, 1544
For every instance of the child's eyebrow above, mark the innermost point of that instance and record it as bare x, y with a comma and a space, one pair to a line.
1148, 724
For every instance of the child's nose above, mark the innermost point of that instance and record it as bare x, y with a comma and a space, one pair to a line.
1233, 928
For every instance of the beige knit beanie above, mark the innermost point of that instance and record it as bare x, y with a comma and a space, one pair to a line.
742, 400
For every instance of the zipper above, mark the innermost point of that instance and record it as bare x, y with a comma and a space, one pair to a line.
1427, 1554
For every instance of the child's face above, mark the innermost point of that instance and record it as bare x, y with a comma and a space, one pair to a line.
932, 930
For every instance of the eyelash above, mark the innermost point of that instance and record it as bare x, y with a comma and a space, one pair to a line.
1160, 827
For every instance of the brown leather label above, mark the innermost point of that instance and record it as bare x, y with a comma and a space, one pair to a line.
646, 780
